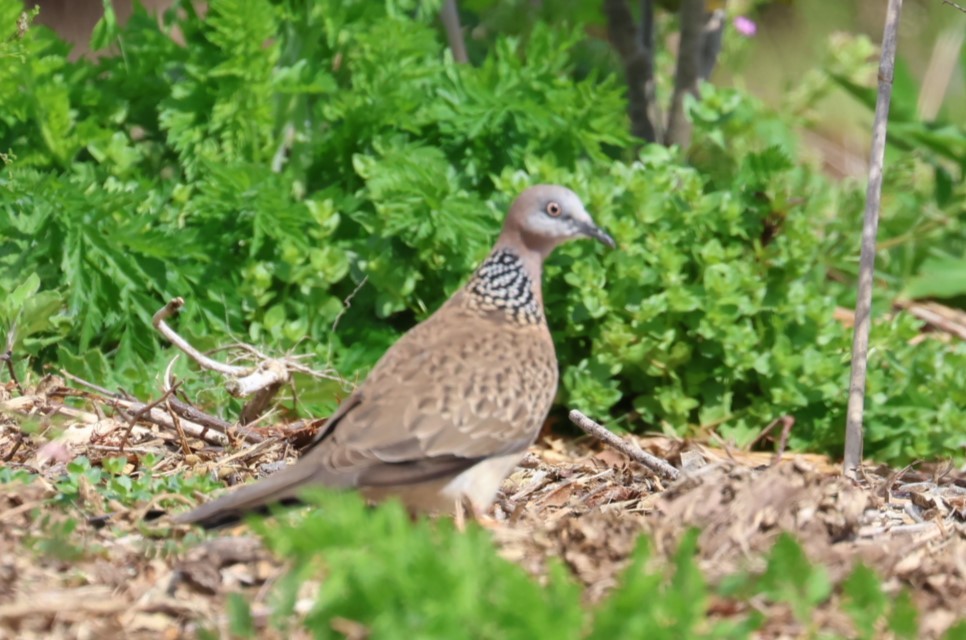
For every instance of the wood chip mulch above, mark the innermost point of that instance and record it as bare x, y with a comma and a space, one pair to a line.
571, 499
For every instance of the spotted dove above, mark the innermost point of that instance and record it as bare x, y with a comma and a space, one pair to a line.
450, 408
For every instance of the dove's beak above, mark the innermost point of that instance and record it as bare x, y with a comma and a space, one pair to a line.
593, 231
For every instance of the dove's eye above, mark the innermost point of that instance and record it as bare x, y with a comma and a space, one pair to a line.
554, 209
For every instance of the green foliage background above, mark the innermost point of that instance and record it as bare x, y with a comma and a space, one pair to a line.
289, 150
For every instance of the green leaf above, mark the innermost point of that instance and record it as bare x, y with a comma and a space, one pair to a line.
938, 278
240, 620
106, 30
865, 601
791, 578
956, 632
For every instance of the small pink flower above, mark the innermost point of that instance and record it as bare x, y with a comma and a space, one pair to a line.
745, 26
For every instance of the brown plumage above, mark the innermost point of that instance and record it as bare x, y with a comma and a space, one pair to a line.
449, 410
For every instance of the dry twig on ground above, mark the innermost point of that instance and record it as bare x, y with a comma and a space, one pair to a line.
658, 466
263, 379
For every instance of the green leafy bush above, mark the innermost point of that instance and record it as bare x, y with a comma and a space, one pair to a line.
113, 483
288, 152
402, 579
425, 579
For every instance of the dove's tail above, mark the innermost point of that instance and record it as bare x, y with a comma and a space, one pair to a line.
282, 488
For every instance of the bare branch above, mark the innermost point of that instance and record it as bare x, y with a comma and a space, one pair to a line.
688, 71
628, 448
140, 413
638, 63
7, 357
266, 376
263, 379
863, 304
172, 309
711, 38
163, 419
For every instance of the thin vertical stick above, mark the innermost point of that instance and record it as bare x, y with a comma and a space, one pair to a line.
863, 304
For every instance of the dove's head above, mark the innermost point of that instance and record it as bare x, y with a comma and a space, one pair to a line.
548, 215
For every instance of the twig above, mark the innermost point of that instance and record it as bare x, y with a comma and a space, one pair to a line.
171, 309
346, 304
7, 357
450, 16
185, 449
198, 416
954, 5
199, 420
262, 380
141, 411
90, 385
764, 432
863, 304
265, 377
162, 419
16, 447
658, 466
566, 482
931, 526
931, 317
787, 423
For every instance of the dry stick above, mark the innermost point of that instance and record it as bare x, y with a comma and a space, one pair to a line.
8, 358
932, 318
787, 423
658, 466
16, 447
162, 419
176, 419
90, 385
201, 420
172, 308
764, 432
244, 381
194, 414
188, 412
140, 412
863, 303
